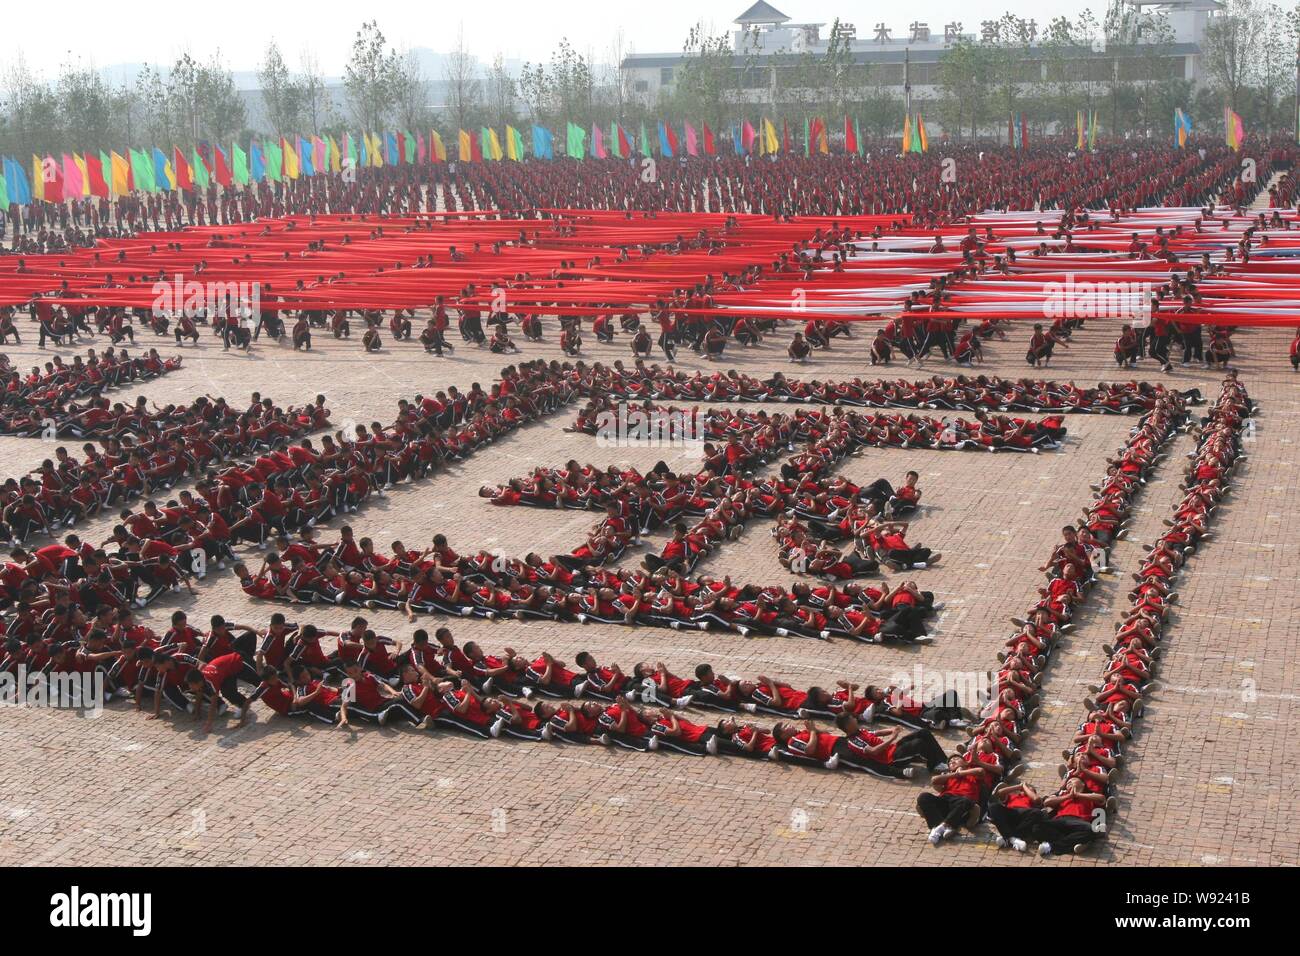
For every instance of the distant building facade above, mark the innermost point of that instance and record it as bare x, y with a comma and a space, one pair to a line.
766, 42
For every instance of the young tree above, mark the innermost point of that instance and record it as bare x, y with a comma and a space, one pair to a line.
1232, 48
280, 95
464, 90
501, 91
369, 77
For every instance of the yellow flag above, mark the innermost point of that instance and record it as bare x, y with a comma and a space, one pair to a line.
121, 175
85, 176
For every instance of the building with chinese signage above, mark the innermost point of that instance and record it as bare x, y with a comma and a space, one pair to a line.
767, 47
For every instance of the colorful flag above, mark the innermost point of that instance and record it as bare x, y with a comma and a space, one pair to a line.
436, 146
20, 190
164, 176
292, 168
665, 148
514, 144
71, 177
576, 142
748, 136
181, 168
710, 148
306, 157
464, 151
256, 161
543, 143
850, 137
142, 171
221, 171
99, 172
274, 161
692, 143
238, 165
643, 146
1234, 129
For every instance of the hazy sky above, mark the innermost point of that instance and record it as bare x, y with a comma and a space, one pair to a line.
87, 32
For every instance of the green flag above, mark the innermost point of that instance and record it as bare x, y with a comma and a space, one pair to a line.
644, 146
199, 171
577, 142
4, 191
857, 137
274, 160
142, 171
807, 138
409, 142
240, 163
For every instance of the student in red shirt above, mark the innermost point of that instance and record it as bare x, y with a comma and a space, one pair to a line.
214, 680
683, 736
956, 802
1073, 819
807, 746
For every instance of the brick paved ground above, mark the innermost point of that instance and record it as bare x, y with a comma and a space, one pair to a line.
1207, 773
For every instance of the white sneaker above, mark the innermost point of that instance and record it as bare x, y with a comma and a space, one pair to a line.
832, 762
936, 835
999, 841
1044, 849
1019, 845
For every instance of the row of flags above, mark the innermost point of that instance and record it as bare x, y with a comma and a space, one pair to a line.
914, 138
60, 177
55, 178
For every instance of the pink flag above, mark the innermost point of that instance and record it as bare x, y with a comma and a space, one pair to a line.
73, 186
747, 136
692, 145
320, 155
598, 143
419, 147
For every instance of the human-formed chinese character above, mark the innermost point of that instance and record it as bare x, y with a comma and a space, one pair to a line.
951, 32
920, 32
882, 33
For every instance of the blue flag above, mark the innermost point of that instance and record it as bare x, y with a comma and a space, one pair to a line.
256, 162
664, 148
305, 165
543, 143
20, 190
736, 141
391, 156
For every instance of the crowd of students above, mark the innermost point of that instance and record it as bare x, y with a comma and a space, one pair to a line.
979, 393
435, 683
47, 397
1084, 805
1043, 176
139, 453
990, 763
